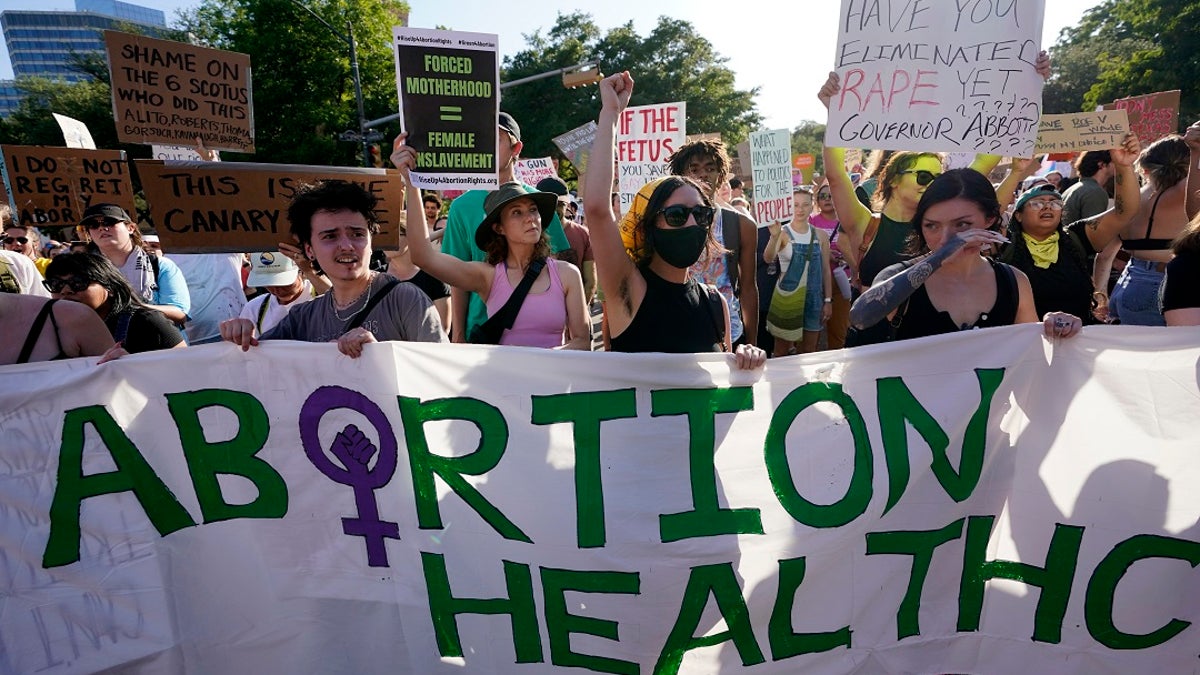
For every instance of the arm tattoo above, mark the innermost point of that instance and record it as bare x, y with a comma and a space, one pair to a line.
886, 296
1118, 180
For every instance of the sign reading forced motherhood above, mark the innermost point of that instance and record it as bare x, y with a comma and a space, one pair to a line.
241, 207
53, 186
171, 93
982, 502
449, 86
938, 76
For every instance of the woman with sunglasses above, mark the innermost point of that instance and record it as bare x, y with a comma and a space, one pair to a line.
552, 314
1058, 257
652, 302
92, 280
952, 286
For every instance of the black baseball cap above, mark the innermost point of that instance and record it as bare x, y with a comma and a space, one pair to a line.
553, 184
510, 125
107, 212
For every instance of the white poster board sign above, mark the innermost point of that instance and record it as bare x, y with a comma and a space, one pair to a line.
771, 170
75, 133
952, 76
530, 171
647, 135
172, 152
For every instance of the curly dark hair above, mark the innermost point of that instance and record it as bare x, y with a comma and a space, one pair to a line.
654, 206
497, 249
97, 269
703, 149
329, 195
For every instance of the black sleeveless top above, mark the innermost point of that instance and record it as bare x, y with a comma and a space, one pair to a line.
922, 319
673, 318
885, 250
1065, 286
1146, 243
35, 330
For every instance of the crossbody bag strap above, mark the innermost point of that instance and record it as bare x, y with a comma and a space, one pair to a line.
867, 239
507, 315
362, 316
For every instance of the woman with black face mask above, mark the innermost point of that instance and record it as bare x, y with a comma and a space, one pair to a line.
653, 303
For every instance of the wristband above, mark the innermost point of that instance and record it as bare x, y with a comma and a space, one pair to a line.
828, 300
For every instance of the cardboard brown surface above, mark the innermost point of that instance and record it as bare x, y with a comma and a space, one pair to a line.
171, 93
208, 207
51, 187
1151, 116
1076, 132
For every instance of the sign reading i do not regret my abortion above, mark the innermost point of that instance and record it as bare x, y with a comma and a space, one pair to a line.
938, 75
449, 91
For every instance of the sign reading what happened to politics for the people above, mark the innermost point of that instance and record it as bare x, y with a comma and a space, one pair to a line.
647, 135
241, 207
771, 171
1151, 116
167, 92
948, 505
576, 144
938, 76
52, 187
1079, 132
449, 101
530, 171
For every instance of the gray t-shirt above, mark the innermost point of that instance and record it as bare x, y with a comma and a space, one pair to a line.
405, 313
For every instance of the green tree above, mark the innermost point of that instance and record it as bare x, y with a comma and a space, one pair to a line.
809, 137
303, 88
32, 124
673, 63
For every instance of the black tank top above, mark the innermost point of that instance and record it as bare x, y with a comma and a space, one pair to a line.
922, 319
35, 330
673, 318
1146, 243
885, 250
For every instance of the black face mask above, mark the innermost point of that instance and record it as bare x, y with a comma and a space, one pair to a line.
680, 247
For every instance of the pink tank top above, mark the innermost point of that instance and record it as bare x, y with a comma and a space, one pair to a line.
542, 320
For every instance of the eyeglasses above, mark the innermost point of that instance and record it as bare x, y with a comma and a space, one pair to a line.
76, 284
18, 240
824, 195
677, 215
1038, 206
100, 224
923, 177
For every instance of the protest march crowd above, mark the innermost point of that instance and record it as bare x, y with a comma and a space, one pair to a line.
900, 250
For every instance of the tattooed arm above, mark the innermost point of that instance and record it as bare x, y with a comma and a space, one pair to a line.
1104, 228
897, 283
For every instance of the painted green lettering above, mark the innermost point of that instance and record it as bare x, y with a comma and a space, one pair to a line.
1098, 605
785, 642
719, 581
560, 623
920, 545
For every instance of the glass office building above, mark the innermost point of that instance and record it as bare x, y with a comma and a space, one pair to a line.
40, 44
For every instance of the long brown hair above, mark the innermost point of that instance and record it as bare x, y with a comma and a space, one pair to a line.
899, 163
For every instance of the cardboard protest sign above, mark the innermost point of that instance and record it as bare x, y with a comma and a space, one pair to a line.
237, 207
1151, 116
951, 77
576, 144
945, 505
770, 166
1076, 132
169, 92
180, 152
53, 186
647, 135
449, 85
75, 133
530, 171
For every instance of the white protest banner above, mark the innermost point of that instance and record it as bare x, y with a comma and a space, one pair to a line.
834, 513
449, 91
175, 152
771, 170
647, 135
75, 133
576, 144
938, 76
530, 171
1077, 132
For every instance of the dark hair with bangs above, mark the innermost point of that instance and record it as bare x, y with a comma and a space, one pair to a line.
966, 184
97, 269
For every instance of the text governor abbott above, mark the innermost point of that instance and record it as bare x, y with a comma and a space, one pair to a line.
449, 101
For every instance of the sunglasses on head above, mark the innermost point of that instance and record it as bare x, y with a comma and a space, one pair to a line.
923, 177
76, 284
677, 215
20, 240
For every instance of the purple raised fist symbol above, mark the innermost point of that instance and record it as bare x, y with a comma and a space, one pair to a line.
354, 450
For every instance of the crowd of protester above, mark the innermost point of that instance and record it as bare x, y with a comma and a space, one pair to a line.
904, 250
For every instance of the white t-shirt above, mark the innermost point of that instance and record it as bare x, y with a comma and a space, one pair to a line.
214, 281
28, 278
275, 311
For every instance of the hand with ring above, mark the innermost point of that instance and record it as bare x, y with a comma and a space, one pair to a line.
1061, 325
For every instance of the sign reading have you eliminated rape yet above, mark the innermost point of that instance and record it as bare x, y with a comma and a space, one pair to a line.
938, 75
449, 86
947, 505
172, 93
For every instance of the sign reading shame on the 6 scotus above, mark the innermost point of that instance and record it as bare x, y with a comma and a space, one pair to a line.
449, 86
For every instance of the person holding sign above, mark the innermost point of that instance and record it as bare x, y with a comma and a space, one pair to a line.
801, 302
952, 286
333, 220
552, 313
653, 304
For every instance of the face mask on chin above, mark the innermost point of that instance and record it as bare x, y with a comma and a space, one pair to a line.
680, 247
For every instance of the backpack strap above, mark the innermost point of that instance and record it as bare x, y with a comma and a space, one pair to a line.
865, 245
731, 232
35, 330
715, 307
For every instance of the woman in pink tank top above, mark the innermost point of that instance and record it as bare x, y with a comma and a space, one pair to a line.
552, 313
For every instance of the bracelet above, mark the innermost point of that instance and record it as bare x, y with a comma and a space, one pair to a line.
1099, 293
828, 300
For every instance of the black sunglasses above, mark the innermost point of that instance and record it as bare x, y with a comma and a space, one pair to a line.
677, 215
56, 285
98, 223
20, 240
923, 177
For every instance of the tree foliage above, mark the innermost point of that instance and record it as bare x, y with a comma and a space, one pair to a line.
673, 63
809, 138
303, 87
1126, 48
